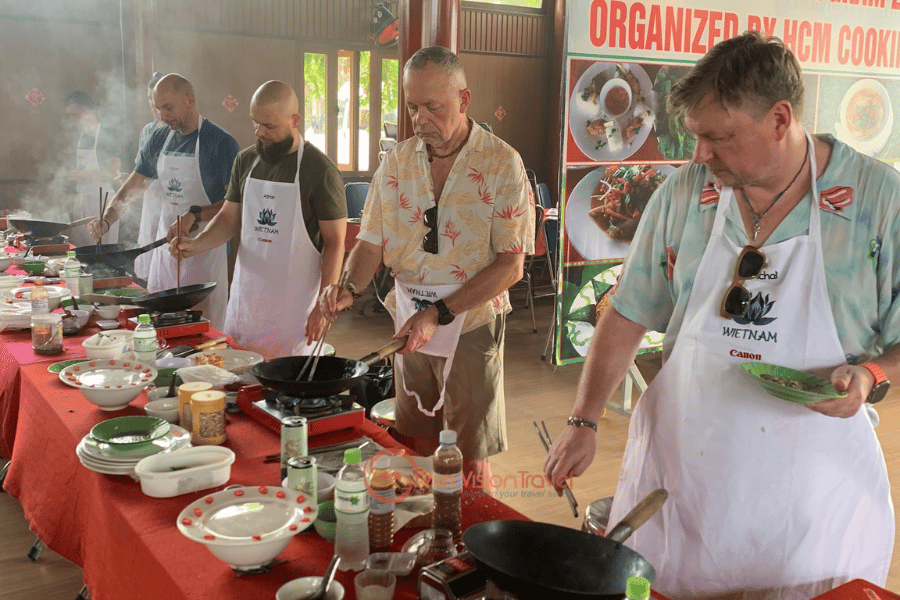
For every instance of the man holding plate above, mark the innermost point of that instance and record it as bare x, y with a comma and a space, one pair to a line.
772, 246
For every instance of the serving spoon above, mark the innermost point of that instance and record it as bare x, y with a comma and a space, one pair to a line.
326, 579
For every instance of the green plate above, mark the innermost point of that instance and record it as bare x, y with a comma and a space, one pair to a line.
128, 292
814, 389
59, 366
130, 431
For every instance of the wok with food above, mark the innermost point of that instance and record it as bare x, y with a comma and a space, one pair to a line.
619, 199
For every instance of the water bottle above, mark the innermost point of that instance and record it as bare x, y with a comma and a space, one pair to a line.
71, 273
145, 344
40, 299
637, 588
381, 506
446, 483
351, 506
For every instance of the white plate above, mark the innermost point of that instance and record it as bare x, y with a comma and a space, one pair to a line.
105, 469
876, 142
236, 361
105, 373
581, 111
586, 237
107, 324
178, 437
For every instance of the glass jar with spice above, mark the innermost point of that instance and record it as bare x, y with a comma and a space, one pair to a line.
208, 417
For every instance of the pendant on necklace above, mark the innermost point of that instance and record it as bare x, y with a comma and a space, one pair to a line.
755, 227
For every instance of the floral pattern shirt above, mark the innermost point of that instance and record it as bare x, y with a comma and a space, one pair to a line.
486, 208
859, 200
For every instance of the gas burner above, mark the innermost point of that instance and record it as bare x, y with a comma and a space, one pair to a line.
304, 407
28, 240
175, 318
101, 271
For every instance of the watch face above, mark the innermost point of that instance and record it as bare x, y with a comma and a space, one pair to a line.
878, 392
446, 318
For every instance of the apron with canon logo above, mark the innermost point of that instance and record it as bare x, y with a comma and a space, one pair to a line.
278, 271
179, 184
765, 496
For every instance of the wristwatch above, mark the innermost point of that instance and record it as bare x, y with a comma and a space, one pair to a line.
445, 315
196, 210
880, 389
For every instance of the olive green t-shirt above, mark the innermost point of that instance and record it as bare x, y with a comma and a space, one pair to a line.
321, 186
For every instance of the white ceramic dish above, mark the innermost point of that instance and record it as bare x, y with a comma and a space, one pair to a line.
236, 361
324, 485
105, 345
247, 527
161, 407
54, 292
303, 587
15, 316
108, 311
5, 262
81, 319
107, 325
873, 143
109, 384
178, 437
185, 471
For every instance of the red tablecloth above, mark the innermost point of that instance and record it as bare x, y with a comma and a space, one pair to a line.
128, 543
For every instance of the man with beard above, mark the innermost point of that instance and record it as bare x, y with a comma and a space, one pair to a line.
189, 162
286, 200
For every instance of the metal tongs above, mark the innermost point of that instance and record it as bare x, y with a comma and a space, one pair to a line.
547, 441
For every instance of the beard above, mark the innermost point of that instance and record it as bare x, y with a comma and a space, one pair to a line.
274, 152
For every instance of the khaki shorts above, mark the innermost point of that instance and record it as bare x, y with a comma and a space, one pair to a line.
474, 405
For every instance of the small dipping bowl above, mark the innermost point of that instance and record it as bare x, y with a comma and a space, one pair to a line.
305, 587
161, 407
108, 311
326, 521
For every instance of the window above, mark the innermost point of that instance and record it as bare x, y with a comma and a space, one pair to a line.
314, 105
532, 4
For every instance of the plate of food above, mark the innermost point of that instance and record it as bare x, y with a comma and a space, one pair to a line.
866, 117
789, 384
604, 208
229, 359
601, 128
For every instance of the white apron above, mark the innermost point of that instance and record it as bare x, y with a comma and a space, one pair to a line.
150, 212
764, 494
442, 343
87, 201
278, 271
179, 185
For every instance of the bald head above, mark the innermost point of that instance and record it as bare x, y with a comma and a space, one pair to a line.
175, 84
278, 95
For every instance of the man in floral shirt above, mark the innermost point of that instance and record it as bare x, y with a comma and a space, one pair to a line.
451, 213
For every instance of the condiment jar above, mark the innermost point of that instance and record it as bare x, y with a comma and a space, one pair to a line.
46, 333
185, 391
208, 414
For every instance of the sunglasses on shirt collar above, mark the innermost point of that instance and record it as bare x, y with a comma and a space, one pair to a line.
430, 241
750, 264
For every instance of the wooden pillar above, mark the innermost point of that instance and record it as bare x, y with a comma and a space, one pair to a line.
424, 23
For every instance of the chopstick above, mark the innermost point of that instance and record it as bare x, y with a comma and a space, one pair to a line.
178, 239
317, 350
548, 443
102, 210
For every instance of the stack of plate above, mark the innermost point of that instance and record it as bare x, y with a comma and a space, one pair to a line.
115, 446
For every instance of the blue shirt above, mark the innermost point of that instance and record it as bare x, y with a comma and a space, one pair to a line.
859, 200
217, 152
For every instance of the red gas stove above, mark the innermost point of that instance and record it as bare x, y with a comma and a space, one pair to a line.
323, 415
175, 324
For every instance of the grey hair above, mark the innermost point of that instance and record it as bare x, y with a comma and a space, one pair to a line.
749, 71
442, 57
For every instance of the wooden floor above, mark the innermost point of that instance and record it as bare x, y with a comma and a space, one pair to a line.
535, 391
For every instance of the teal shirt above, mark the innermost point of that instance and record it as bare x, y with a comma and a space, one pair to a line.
860, 205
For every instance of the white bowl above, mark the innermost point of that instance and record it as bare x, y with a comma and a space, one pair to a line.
324, 485
8, 282
5, 262
94, 349
109, 384
609, 86
246, 526
162, 408
81, 319
108, 311
303, 587
54, 292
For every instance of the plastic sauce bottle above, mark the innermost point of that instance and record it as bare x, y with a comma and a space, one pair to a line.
71, 273
145, 344
40, 299
381, 506
446, 484
351, 506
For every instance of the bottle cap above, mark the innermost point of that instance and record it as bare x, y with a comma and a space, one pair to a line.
71, 254
382, 462
448, 436
352, 456
145, 318
637, 588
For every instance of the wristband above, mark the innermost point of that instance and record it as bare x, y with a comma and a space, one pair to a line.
579, 422
352, 289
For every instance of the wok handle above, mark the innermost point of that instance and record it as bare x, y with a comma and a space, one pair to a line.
384, 351
639, 515
79, 222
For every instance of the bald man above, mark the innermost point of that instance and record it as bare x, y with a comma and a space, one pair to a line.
286, 200
189, 163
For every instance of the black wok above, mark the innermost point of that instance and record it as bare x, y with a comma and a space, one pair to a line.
114, 255
540, 560
175, 299
45, 229
333, 375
